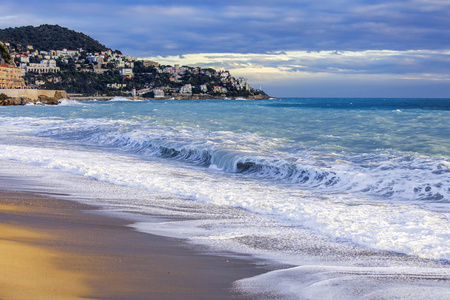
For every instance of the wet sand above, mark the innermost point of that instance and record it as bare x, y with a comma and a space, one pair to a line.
57, 249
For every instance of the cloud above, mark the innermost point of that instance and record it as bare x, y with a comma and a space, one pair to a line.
335, 62
176, 27
271, 42
332, 69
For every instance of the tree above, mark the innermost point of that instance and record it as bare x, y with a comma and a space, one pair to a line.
50, 37
4, 53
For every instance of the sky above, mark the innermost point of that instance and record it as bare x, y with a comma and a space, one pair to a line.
303, 48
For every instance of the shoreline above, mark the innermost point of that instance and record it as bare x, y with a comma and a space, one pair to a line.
51, 97
75, 253
194, 97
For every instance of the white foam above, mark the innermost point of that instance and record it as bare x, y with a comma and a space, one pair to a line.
346, 225
121, 99
392, 227
387, 176
67, 102
335, 282
330, 211
274, 232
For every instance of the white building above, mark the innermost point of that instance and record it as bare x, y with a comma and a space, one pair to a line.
120, 64
242, 84
126, 72
51, 63
186, 89
116, 85
46, 66
92, 59
61, 53
73, 53
158, 93
24, 59
220, 89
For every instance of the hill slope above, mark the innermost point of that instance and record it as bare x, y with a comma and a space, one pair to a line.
50, 37
4, 54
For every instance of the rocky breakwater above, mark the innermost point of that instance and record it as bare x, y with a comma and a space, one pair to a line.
30, 96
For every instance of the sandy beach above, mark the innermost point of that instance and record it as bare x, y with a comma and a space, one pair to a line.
57, 249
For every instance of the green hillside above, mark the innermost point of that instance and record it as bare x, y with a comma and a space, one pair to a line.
4, 54
50, 37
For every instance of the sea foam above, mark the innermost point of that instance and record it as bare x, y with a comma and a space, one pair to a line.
350, 216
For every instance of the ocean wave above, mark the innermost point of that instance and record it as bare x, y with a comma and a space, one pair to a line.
385, 176
67, 102
122, 99
345, 196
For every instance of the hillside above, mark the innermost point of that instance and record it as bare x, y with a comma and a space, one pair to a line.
50, 37
96, 70
4, 54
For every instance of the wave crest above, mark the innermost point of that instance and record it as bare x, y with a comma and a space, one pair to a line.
386, 175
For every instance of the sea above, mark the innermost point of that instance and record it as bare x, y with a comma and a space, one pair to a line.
346, 198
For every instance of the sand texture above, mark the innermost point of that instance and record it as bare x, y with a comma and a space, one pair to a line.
57, 249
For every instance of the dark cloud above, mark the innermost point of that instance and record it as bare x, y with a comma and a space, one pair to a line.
263, 29
177, 27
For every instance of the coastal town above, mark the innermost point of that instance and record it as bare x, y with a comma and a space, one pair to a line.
107, 73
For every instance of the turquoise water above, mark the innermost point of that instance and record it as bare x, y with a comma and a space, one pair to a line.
280, 178
352, 125
277, 139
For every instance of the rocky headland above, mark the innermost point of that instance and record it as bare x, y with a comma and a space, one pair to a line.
56, 58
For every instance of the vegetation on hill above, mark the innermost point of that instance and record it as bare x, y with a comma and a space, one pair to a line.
96, 71
50, 37
74, 81
4, 53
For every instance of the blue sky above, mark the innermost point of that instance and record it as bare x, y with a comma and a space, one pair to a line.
305, 48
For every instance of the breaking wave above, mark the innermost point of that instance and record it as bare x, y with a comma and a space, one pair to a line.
385, 175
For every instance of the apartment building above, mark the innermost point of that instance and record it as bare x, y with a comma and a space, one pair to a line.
10, 77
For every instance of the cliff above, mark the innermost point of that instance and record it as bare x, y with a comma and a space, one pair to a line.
26, 96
